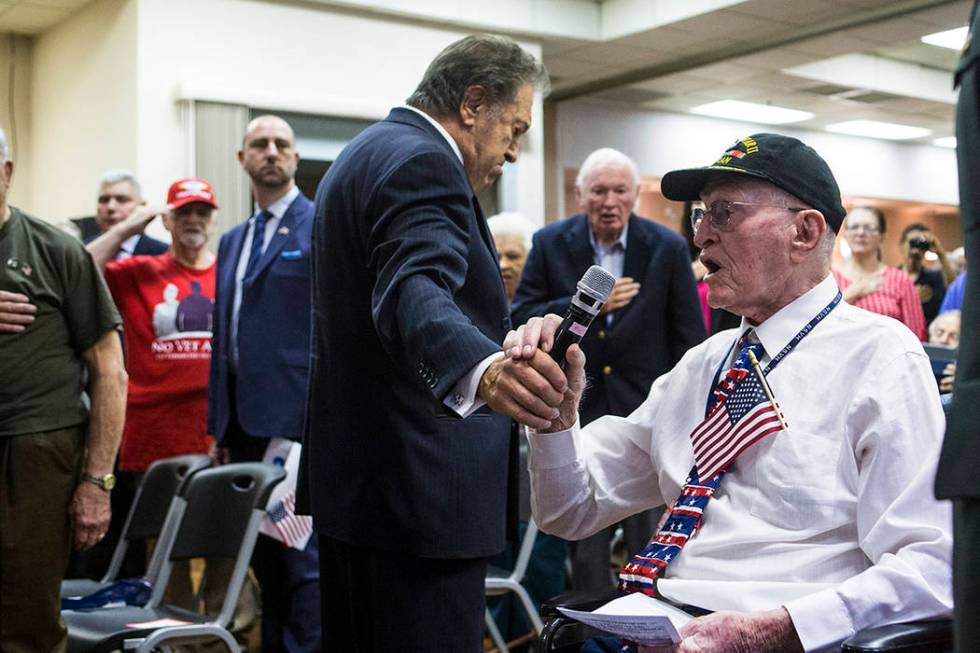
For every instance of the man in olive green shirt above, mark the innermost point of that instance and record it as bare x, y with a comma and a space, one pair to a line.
57, 320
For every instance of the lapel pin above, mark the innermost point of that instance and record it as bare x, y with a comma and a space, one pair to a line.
283, 231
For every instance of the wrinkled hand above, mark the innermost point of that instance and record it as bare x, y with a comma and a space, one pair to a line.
949, 375
16, 311
90, 514
527, 389
863, 287
219, 455
735, 632
536, 337
623, 292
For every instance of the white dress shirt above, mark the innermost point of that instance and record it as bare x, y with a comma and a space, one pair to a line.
277, 209
833, 518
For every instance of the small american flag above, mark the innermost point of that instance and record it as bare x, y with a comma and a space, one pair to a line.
294, 529
735, 424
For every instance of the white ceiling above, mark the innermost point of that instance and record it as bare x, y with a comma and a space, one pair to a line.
670, 55
753, 51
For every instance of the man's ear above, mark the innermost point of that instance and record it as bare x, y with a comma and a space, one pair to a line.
810, 230
474, 101
241, 157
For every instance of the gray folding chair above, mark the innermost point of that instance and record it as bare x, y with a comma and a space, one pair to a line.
218, 516
161, 483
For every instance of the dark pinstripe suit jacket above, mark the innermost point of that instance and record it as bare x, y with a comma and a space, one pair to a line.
407, 298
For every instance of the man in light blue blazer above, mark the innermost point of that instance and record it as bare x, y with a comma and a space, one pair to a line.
260, 362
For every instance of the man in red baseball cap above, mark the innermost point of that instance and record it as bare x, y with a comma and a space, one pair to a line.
167, 305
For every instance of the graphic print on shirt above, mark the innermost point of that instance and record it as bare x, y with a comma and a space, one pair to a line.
183, 325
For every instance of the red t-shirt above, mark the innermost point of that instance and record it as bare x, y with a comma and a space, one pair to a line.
167, 312
896, 298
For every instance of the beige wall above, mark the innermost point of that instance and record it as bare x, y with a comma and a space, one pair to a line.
83, 106
282, 56
15, 111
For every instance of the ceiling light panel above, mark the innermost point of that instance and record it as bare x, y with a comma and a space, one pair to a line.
765, 114
952, 39
875, 129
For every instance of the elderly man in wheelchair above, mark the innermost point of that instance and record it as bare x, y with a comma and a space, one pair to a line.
796, 454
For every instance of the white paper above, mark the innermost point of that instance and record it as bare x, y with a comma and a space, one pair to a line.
158, 623
284, 453
636, 617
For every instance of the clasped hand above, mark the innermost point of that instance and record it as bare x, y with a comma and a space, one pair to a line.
531, 387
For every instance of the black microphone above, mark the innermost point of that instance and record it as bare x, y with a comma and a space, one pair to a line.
593, 291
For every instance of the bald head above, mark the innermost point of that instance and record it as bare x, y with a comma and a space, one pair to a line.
269, 155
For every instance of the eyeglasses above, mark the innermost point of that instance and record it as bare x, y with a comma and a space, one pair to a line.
870, 229
720, 213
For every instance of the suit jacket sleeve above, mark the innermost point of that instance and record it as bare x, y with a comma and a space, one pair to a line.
214, 384
419, 251
686, 326
534, 296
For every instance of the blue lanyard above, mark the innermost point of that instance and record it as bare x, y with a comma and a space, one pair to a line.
804, 332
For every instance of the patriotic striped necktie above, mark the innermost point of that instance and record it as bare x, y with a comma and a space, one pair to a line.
718, 440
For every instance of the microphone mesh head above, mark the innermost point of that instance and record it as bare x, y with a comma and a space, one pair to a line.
598, 283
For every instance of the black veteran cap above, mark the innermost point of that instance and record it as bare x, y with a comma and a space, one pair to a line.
784, 161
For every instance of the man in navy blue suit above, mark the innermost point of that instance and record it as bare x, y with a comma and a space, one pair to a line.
409, 450
260, 362
119, 196
652, 316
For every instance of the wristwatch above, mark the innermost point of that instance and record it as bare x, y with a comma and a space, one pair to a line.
106, 482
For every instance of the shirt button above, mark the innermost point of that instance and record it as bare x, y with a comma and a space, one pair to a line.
607, 370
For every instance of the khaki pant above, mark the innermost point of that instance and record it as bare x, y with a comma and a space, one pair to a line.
38, 476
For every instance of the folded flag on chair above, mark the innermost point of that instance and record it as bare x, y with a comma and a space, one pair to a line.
294, 530
128, 591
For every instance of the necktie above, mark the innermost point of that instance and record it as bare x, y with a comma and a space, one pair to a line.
717, 442
258, 236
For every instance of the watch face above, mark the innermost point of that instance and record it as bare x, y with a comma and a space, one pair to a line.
109, 481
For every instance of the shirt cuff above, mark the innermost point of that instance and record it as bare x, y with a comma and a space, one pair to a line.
552, 450
463, 400
821, 620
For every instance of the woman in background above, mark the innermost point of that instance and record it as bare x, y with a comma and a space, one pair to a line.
867, 282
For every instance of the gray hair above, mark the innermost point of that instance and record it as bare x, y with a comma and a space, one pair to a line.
119, 176
512, 224
606, 157
4, 151
496, 63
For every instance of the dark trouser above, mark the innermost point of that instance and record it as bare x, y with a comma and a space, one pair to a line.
966, 574
379, 601
289, 579
38, 476
591, 569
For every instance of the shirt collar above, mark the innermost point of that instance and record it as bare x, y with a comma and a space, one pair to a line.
129, 245
440, 129
784, 324
281, 205
621, 241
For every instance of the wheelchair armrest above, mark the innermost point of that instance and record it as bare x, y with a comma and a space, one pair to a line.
577, 600
911, 637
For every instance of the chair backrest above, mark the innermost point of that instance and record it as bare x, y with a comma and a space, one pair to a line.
217, 515
162, 481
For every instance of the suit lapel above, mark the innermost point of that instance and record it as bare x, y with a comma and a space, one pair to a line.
638, 253
481, 223
580, 254
279, 238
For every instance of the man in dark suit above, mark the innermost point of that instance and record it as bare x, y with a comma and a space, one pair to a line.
260, 362
119, 196
957, 476
409, 444
652, 316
